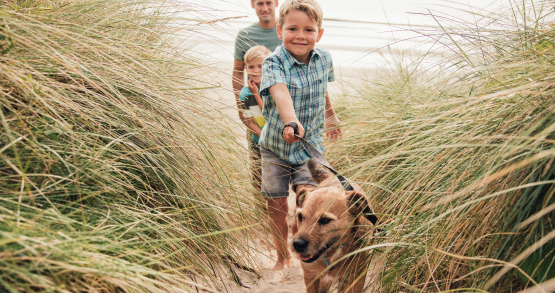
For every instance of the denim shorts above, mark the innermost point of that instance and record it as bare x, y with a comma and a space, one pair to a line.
277, 174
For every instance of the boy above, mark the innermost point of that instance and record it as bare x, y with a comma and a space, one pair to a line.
252, 106
294, 89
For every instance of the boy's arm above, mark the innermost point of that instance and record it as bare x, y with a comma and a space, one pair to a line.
286, 111
332, 122
254, 90
251, 124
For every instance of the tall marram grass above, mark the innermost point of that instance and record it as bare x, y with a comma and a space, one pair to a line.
114, 174
456, 152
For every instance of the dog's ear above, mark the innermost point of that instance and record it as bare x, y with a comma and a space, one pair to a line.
318, 172
359, 204
301, 196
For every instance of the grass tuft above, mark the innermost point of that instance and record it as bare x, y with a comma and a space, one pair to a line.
116, 174
456, 151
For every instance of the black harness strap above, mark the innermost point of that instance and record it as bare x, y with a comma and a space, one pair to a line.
316, 155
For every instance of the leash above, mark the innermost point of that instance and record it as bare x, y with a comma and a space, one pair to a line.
317, 156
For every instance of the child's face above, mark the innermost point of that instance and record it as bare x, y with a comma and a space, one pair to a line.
299, 34
254, 70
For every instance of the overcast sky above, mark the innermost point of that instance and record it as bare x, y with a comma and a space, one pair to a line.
374, 10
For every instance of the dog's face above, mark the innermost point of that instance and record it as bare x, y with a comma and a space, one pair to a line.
325, 216
323, 220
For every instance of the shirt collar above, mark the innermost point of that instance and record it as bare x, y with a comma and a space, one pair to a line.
290, 60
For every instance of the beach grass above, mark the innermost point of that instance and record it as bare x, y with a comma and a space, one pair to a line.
116, 174
456, 152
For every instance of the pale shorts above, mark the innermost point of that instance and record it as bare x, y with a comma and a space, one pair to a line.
277, 174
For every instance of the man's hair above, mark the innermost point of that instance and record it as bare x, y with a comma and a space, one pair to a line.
256, 52
310, 7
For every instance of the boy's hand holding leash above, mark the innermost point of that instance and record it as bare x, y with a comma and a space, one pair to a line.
332, 130
289, 132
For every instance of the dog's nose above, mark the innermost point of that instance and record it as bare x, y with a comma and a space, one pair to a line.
300, 244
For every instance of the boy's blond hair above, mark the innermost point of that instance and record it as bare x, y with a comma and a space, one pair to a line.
310, 7
256, 52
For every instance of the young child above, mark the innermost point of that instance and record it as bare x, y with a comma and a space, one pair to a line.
294, 89
252, 105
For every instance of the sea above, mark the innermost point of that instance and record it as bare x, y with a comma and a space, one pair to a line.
358, 33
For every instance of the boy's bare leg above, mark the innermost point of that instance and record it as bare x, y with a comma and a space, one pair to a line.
277, 212
299, 187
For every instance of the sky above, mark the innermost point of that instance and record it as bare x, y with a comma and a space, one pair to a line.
354, 29
374, 10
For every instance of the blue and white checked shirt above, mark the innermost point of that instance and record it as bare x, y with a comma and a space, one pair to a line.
307, 86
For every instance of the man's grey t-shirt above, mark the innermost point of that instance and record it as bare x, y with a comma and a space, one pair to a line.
252, 36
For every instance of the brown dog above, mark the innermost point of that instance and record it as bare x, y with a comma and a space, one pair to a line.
328, 219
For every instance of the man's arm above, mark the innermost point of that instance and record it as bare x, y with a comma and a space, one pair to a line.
238, 82
286, 111
332, 122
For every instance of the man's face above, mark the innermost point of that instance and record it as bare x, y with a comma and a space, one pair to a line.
299, 34
265, 9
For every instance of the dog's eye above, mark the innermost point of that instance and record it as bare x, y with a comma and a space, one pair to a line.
300, 217
324, 221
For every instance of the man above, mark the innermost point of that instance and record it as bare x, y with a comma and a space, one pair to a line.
262, 33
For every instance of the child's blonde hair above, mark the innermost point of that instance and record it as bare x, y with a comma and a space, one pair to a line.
310, 7
256, 52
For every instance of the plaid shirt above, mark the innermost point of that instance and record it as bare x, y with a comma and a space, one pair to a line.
307, 86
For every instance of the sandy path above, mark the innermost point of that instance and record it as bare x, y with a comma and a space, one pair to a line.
284, 281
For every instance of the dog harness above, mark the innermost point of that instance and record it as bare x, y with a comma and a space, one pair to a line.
316, 155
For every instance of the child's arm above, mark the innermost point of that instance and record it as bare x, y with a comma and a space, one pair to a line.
332, 122
284, 104
251, 124
254, 90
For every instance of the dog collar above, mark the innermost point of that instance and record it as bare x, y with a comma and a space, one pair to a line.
324, 258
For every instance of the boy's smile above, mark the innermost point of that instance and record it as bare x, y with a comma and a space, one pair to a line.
299, 35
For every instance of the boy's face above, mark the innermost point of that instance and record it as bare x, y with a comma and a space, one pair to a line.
299, 34
254, 70
265, 9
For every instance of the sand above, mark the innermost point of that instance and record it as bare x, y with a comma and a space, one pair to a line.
282, 281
